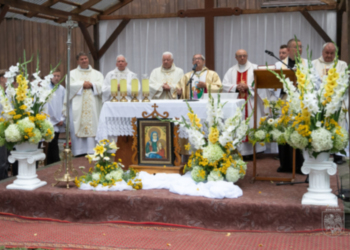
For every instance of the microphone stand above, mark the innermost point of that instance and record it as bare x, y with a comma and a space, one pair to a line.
190, 83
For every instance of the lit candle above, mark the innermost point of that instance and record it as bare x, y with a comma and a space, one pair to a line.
114, 86
145, 85
134, 86
123, 88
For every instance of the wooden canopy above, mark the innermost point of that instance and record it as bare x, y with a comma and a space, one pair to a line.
89, 12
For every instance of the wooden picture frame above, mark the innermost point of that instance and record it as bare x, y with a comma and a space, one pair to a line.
155, 142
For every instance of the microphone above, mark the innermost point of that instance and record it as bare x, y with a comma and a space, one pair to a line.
270, 53
194, 67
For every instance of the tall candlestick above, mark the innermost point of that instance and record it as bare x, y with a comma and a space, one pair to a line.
114, 85
123, 86
134, 86
145, 85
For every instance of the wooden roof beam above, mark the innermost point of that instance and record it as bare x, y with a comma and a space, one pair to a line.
316, 26
85, 6
22, 12
116, 7
88, 40
47, 11
112, 38
46, 4
329, 2
3, 12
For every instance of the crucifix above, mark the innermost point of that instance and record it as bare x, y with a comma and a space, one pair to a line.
209, 12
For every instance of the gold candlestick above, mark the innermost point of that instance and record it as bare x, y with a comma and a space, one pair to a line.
114, 96
123, 97
145, 95
134, 97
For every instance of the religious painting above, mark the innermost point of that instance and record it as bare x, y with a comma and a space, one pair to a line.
155, 142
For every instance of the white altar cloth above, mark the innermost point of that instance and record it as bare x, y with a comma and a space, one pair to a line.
175, 183
115, 117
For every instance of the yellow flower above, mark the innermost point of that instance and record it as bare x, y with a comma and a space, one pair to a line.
331, 71
266, 103
23, 107
16, 117
13, 112
99, 150
32, 118
89, 157
112, 154
187, 146
112, 145
213, 135
40, 117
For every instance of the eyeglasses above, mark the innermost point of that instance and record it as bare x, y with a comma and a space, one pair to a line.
197, 58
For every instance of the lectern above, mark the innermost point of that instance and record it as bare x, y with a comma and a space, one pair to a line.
266, 80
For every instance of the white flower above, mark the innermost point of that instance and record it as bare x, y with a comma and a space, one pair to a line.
215, 175
260, 135
95, 176
271, 121
318, 124
12, 133
275, 134
321, 140
14, 69
196, 138
298, 140
232, 174
106, 158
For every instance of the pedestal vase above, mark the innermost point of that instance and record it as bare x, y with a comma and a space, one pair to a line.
26, 154
319, 170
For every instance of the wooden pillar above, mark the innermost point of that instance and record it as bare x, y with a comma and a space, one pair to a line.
209, 36
97, 45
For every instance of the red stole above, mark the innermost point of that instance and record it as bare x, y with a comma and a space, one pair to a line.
242, 78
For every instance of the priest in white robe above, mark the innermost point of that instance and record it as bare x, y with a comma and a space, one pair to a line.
163, 80
85, 105
54, 109
322, 65
120, 72
240, 79
326, 62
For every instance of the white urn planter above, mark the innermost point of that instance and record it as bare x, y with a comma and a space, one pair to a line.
27, 155
319, 170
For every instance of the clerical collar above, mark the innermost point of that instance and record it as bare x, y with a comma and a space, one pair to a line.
323, 61
125, 71
291, 63
168, 70
88, 69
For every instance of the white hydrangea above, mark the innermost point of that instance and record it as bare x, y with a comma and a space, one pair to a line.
321, 140
298, 140
95, 176
12, 133
116, 174
232, 174
213, 152
260, 135
215, 175
275, 134
340, 142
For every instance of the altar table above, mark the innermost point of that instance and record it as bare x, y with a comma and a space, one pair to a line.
115, 117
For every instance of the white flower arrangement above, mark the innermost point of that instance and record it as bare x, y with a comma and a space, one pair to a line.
105, 172
311, 117
212, 156
23, 119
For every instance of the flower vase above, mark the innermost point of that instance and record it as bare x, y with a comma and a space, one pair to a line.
27, 155
319, 169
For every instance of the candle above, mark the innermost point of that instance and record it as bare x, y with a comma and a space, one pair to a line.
145, 85
134, 86
123, 88
114, 86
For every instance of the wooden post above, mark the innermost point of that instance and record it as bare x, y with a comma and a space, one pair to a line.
97, 45
209, 36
